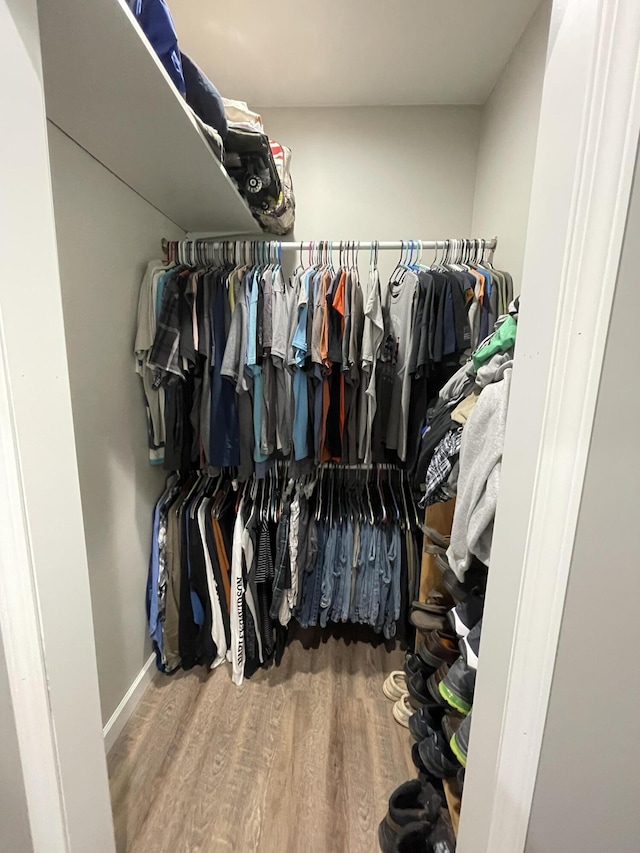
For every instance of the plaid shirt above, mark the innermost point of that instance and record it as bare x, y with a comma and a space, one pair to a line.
442, 461
164, 357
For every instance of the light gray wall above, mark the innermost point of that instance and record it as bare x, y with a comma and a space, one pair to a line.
507, 148
588, 786
15, 835
106, 234
380, 173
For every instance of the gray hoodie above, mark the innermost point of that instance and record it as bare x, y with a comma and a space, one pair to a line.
479, 477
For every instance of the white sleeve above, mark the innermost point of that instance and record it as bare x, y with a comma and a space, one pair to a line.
237, 599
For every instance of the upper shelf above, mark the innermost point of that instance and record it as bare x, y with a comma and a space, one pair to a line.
107, 90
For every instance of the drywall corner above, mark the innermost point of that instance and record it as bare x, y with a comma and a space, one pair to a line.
507, 146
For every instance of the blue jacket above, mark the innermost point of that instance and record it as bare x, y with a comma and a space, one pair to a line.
157, 24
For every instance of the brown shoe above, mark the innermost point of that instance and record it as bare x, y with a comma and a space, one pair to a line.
451, 723
437, 648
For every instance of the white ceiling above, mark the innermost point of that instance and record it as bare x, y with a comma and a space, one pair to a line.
348, 52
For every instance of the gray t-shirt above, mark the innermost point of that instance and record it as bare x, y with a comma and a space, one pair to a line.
399, 302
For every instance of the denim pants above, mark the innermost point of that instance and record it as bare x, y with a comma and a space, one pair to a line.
342, 573
328, 576
311, 580
395, 593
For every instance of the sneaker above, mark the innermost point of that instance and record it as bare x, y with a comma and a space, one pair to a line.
434, 755
395, 685
422, 723
410, 803
425, 777
433, 686
438, 647
402, 710
466, 615
457, 686
418, 691
470, 646
413, 664
459, 742
451, 722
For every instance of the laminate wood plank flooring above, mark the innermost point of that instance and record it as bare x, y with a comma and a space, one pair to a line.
300, 759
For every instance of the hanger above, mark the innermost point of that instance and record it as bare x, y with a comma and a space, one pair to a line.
389, 484
384, 509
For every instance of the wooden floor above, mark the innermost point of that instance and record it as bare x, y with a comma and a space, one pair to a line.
301, 759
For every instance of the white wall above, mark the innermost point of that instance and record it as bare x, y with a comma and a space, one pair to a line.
380, 173
106, 235
508, 136
588, 784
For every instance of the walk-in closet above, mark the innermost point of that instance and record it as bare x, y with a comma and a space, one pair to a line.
295, 247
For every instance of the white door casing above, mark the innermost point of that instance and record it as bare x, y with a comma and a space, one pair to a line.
45, 607
587, 143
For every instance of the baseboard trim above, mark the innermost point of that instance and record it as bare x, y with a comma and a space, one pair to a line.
117, 720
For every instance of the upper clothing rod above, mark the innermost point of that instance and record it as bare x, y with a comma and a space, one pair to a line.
394, 245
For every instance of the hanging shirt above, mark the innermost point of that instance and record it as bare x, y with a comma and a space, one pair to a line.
373, 334
299, 353
149, 302
254, 368
224, 448
400, 303
279, 347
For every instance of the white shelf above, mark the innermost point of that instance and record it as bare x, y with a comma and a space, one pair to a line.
107, 90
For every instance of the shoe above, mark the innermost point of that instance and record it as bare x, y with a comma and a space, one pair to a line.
422, 723
430, 548
424, 621
457, 590
402, 710
418, 691
395, 685
470, 646
412, 802
433, 686
450, 724
466, 615
438, 601
438, 647
443, 838
428, 615
434, 755
425, 778
413, 664
460, 779
459, 742
475, 576
414, 839
457, 686
437, 538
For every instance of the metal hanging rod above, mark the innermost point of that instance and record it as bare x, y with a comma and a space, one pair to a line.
306, 245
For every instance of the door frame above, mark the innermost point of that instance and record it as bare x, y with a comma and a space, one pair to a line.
585, 157
45, 605
590, 117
